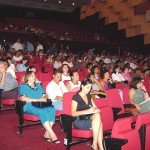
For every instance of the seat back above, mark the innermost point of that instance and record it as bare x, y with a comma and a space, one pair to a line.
120, 85
75, 89
66, 81
67, 102
106, 113
19, 75
114, 99
44, 84
44, 76
147, 83
126, 95
143, 119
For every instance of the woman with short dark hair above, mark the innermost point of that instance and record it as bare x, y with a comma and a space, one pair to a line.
138, 95
23, 65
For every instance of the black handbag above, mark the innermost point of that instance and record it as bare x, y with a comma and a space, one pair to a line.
42, 104
85, 117
111, 85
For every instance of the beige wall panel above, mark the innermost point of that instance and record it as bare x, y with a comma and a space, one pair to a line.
147, 38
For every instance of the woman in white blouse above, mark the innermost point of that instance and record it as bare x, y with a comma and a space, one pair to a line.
74, 83
116, 75
65, 72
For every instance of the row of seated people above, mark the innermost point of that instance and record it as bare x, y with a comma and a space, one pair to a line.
57, 77
57, 28
84, 67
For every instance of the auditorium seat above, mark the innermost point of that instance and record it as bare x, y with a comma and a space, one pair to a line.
66, 120
6, 104
115, 101
123, 136
44, 76
143, 126
33, 120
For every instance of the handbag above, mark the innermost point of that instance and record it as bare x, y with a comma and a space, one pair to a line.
133, 111
42, 104
85, 117
111, 85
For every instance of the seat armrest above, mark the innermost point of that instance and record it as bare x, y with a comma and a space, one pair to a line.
115, 112
113, 143
128, 106
19, 107
66, 122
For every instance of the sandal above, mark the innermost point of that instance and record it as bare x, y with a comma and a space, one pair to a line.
92, 148
47, 139
56, 141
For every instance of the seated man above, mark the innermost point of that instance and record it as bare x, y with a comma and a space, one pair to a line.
55, 90
8, 83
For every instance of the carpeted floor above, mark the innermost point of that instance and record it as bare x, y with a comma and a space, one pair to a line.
32, 138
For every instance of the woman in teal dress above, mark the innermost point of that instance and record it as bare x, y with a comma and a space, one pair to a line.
33, 92
138, 95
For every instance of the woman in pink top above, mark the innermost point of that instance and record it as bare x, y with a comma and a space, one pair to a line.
125, 73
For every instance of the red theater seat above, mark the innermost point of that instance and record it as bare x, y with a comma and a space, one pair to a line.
34, 120
115, 101
6, 104
123, 137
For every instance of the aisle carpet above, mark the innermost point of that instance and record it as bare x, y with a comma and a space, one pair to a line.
32, 137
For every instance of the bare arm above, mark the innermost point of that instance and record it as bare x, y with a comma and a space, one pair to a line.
58, 98
3, 78
131, 96
68, 86
27, 99
79, 113
146, 96
97, 92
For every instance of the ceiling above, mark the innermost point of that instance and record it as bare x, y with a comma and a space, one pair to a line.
54, 5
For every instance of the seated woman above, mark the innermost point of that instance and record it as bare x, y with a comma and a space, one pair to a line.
30, 68
65, 72
49, 60
33, 92
125, 73
105, 79
96, 87
74, 83
146, 72
77, 62
137, 72
17, 57
88, 68
11, 66
85, 62
81, 104
23, 65
8, 84
116, 75
138, 95
95, 70
68, 61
